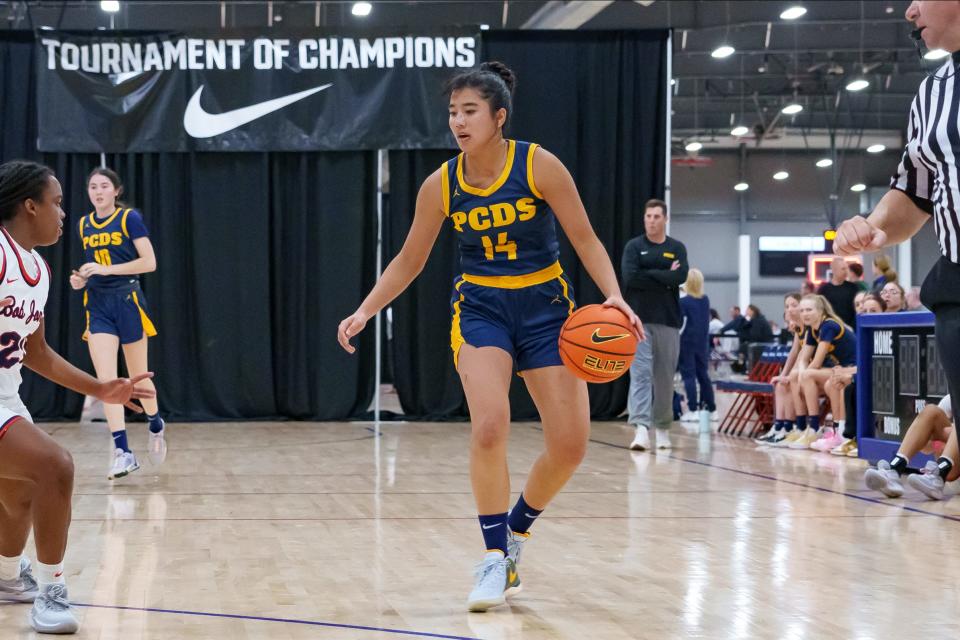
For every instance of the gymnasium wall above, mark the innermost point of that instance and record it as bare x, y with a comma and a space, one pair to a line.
706, 216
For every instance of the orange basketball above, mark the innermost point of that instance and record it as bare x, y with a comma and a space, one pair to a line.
597, 343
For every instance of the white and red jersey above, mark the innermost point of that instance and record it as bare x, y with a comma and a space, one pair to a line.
24, 278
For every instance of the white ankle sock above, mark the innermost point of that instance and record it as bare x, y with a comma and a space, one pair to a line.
49, 573
9, 567
841, 426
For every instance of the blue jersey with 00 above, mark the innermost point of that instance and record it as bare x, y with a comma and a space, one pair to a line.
110, 241
507, 229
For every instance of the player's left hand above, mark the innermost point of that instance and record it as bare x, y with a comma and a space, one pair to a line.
620, 303
124, 391
93, 269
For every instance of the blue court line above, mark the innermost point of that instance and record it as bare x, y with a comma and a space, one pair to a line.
312, 623
753, 474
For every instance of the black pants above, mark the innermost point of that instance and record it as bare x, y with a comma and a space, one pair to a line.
941, 294
948, 348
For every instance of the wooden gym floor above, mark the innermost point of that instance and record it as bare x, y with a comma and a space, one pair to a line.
300, 530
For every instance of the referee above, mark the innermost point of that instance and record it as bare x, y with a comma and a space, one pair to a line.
927, 183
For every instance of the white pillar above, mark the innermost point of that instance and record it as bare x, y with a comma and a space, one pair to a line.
743, 281
905, 264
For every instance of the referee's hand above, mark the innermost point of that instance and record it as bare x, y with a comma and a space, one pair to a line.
857, 235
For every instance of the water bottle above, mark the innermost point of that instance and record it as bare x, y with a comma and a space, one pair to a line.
704, 421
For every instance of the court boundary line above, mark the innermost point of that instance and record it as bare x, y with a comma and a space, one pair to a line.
312, 623
754, 474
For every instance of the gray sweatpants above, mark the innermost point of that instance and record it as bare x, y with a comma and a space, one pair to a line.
651, 377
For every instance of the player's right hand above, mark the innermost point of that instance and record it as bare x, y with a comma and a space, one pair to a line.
77, 281
350, 327
858, 235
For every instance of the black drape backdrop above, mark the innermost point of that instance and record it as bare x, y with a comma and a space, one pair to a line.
595, 99
260, 255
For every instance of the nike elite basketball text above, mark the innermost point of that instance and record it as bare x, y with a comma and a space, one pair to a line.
597, 344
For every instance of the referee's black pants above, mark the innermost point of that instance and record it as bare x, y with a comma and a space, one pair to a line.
948, 348
941, 294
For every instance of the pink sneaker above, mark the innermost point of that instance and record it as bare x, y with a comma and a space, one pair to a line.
829, 440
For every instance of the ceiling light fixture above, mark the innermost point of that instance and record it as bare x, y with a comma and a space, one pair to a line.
739, 130
857, 188
792, 108
781, 175
936, 54
876, 148
793, 13
693, 146
741, 186
858, 85
823, 163
361, 9
723, 51
110, 6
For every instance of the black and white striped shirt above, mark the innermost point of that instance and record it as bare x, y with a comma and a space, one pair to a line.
928, 170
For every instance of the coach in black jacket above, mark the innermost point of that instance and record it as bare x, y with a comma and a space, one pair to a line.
654, 267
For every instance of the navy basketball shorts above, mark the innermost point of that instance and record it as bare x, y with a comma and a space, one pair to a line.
524, 322
118, 313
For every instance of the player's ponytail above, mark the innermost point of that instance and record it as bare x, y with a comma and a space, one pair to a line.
495, 83
21, 180
112, 176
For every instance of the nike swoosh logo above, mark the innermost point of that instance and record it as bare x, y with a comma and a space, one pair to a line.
201, 124
9, 280
529, 515
490, 526
596, 338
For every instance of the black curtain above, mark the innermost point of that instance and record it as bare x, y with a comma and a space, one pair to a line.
259, 256
595, 99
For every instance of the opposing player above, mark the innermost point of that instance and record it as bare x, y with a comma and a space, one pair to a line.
36, 474
501, 196
117, 250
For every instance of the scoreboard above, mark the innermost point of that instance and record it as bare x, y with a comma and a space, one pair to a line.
906, 374
898, 353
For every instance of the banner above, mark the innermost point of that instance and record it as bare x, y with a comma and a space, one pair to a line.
177, 92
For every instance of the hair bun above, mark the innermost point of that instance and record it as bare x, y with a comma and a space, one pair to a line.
498, 68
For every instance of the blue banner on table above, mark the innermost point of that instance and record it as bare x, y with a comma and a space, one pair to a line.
304, 92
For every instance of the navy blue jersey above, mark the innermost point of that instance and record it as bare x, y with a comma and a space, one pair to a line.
696, 318
506, 229
843, 344
109, 241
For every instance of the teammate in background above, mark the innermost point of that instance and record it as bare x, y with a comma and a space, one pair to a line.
36, 474
829, 343
501, 197
930, 430
117, 250
783, 403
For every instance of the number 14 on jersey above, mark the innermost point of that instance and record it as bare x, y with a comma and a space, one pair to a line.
503, 245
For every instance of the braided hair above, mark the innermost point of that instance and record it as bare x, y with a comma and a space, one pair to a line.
21, 180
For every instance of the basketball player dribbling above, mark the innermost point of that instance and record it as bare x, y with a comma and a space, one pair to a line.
501, 197
36, 474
